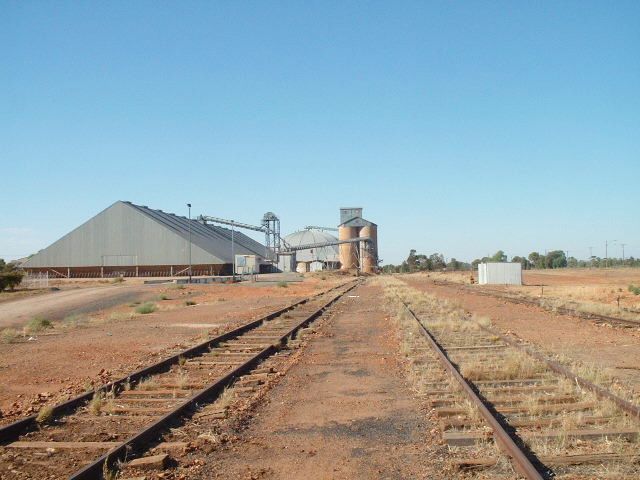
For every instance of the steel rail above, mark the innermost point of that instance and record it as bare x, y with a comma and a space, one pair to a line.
519, 459
12, 431
140, 441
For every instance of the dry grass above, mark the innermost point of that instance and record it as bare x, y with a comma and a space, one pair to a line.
514, 364
45, 415
96, 404
148, 383
225, 399
9, 335
38, 324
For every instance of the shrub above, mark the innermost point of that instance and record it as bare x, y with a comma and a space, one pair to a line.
163, 297
635, 290
283, 284
38, 324
10, 280
118, 280
189, 303
8, 335
147, 307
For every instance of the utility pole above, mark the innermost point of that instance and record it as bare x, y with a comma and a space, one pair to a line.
623, 245
189, 205
233, 254
606, 252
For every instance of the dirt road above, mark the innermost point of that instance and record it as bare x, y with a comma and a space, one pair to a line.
58, 304
343, 412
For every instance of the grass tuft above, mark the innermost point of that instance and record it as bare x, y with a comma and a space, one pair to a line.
189, 303
283, 284
9, 335
38, 324
147, 307
45, 415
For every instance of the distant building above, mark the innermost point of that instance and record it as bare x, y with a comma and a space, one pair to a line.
134, 240
500, 273
318, 258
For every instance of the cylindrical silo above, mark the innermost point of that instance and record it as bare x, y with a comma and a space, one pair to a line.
370, 254
347, 250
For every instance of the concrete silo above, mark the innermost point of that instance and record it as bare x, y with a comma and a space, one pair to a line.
369, 250
363, 254
348, 253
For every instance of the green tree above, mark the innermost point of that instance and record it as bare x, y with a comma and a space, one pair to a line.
499, 256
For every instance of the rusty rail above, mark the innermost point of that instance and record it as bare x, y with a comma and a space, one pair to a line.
141, 440
518, 457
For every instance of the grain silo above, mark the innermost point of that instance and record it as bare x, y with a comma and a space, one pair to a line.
359, 254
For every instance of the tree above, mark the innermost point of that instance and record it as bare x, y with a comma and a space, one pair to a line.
499, 256
453, 264
10, 276
526, 264
411, 260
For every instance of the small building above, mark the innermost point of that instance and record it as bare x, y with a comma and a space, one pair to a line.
502, 273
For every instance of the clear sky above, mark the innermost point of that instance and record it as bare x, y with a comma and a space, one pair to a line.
460, 127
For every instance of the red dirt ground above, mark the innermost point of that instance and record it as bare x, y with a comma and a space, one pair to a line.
67, 361
615, 349
343, 412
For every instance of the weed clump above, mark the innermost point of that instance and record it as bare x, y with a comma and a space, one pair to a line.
38, 324
283, 284
634, 289
147, 307
163, 297
8, 335
45, 415
189, 303
118, 280
97, 403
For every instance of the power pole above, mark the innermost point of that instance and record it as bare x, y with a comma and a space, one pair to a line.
623, 245
189, 205
606, 252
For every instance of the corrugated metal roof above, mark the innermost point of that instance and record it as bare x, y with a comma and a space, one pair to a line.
211, 238
305, 237
129, 234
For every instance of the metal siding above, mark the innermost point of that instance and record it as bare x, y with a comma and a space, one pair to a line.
153, 237
500, 274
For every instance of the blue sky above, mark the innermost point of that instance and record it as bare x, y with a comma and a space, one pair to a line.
460, 127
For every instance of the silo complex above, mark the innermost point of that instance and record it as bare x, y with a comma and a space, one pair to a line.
362, 254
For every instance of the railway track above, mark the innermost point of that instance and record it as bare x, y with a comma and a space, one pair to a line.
595, 317
486, 390
85, 437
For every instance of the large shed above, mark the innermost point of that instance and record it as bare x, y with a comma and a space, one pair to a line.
134, 240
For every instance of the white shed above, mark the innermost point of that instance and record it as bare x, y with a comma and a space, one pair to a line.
500, 274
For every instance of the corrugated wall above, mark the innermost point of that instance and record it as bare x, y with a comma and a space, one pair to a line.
500, 274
